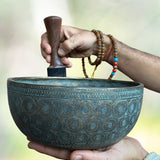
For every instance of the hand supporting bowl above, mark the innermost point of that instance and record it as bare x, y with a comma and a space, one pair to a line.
74, 113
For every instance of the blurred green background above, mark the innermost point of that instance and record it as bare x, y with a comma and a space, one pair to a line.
136, 23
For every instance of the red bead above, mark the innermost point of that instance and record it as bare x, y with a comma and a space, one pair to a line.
115, 63
114, 70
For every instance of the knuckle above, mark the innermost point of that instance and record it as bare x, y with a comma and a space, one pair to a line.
43, 48
67, 46
44, 39
44, 36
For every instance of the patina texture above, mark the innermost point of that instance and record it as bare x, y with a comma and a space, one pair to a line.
74, 113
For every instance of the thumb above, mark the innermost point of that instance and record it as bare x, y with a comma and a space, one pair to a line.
69, 45
90, 155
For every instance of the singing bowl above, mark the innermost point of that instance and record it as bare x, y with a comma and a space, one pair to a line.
74, 113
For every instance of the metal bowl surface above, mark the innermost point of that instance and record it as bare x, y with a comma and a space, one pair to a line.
74, 113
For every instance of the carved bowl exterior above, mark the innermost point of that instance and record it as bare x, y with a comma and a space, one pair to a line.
74, 113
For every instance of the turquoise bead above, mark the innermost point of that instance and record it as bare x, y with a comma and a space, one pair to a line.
113, 73
115, 59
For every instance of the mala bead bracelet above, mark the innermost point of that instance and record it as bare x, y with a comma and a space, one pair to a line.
84, 69
101, 55
115, 55
100, 52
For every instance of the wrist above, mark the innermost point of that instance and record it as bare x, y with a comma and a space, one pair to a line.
152, 156
108, 49
107, 43
107, 40
144, 154
94, 45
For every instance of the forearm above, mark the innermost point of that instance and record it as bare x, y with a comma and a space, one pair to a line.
139, 66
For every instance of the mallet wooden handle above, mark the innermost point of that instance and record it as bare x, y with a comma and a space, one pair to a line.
53, 27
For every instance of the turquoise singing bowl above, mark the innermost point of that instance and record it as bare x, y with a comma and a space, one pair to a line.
74, 113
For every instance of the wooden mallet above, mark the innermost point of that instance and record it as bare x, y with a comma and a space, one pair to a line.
53, 27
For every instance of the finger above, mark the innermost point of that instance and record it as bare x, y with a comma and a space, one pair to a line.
66, 62
69, 45
58, 153
48, 58
90, 155
62, 34
45, 47
67, 32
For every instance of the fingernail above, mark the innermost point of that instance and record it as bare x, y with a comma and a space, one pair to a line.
32, 145
70, 65
78, 157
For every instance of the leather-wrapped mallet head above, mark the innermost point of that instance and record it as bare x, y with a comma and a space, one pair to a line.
53, 27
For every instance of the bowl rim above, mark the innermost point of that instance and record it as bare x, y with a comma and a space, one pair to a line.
15, 80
